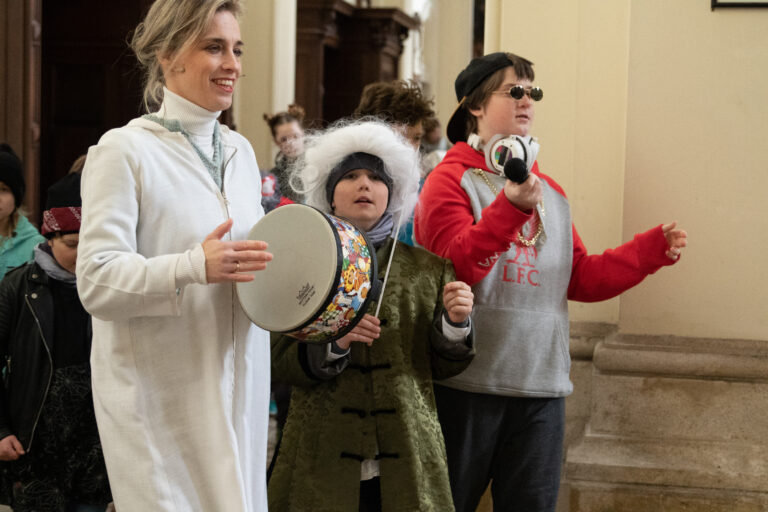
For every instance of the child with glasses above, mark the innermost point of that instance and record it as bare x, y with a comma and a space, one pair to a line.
503, 418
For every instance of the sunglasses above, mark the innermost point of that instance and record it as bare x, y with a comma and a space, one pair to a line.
518, 91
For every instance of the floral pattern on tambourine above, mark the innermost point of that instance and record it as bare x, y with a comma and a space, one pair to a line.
352, 289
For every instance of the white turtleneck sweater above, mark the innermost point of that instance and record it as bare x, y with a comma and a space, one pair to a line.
196, 120
180, 375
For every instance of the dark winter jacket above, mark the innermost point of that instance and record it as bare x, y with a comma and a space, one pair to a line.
26, 333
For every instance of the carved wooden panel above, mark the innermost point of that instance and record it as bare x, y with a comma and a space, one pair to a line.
90, 79
340, 49
20, 26
66, 76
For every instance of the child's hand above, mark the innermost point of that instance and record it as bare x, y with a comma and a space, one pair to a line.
526, 195
458, 300
676, 239
366, 330
10, 448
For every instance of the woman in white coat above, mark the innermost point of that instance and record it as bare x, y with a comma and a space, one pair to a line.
180, 376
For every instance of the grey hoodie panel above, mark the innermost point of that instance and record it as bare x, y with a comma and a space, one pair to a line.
521, 309
532, 362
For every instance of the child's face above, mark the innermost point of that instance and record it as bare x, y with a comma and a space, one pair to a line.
361, 197
503, 114
64, 248
289, 137
412, 133
7, 201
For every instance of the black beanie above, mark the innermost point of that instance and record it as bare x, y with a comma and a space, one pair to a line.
65, 192
11, 172
359, 160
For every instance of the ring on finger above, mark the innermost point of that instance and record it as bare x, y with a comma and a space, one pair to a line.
237, 266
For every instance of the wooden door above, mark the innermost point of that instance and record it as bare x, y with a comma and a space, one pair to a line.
67, 76
90, 80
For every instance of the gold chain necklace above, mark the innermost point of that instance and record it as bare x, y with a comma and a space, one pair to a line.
528, 242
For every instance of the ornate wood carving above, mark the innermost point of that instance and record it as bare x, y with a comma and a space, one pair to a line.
66, 77
340, 49
20, 87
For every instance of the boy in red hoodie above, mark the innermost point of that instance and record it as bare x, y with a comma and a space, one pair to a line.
503, 418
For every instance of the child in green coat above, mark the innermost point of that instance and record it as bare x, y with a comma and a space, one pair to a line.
362, 430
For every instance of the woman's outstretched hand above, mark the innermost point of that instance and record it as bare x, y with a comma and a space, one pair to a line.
227, 260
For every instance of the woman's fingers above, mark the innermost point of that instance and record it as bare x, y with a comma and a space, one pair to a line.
220, 230
230, 261
248, 245
251, 260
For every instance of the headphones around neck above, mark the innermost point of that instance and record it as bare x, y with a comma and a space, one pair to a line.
500, 149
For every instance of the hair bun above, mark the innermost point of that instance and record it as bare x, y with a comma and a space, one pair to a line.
297, 111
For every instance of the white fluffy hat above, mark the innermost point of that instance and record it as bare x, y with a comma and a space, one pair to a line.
326, 149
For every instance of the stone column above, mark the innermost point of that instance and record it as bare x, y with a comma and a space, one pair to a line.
676, 424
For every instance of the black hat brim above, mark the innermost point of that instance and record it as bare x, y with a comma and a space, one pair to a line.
457, 124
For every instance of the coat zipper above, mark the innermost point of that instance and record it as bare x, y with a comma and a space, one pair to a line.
233, 297
50, 374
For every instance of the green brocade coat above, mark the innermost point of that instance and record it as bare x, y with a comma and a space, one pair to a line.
384, 394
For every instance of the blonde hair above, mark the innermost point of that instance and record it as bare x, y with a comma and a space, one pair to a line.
169, 27
77, 165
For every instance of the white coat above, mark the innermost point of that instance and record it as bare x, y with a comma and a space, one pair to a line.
180, 375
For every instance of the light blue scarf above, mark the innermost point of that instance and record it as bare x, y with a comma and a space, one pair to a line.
213, 165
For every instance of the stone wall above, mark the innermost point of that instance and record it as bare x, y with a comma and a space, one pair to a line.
674, 424
664, 424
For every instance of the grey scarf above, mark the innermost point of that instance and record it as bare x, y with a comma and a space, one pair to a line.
381, 230
44, 258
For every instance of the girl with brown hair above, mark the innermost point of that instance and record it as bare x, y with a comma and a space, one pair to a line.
288, 134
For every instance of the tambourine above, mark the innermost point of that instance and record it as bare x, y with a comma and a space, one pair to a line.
321, 281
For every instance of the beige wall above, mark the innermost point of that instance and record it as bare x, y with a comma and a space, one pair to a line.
447, 37
655, 111
446, 47
579, 49
269, 60
696, 151
268, 28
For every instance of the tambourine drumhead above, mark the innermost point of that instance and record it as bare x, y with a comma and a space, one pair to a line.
302, 273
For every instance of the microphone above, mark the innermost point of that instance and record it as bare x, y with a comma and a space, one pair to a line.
516, 170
